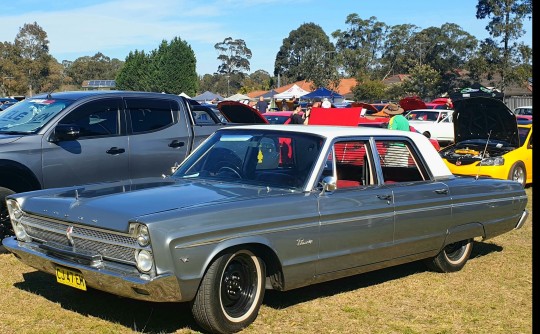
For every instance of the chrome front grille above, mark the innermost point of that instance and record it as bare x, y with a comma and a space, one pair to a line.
112, 246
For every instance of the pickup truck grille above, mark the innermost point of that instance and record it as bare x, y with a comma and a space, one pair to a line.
111, 246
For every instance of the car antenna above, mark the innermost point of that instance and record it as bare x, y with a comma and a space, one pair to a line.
49, 96
483, 155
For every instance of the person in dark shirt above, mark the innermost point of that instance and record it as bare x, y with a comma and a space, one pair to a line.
262, 105
296, 117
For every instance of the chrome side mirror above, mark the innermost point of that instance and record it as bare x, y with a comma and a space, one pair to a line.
329, 184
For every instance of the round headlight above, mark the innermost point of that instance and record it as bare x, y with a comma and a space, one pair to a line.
144, 260
143, 237
20, 232
14, 209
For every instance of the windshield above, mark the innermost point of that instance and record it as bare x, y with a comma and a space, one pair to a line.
266, 158
30, 115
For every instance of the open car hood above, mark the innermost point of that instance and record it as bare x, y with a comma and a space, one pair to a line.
476, 117
411, 103
238, 112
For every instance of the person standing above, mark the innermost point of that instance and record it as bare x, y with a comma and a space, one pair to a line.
448, 105
397, 120
326, 103
397, 154
262, 105
296, 117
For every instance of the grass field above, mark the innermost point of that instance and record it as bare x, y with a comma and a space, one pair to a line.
492, 294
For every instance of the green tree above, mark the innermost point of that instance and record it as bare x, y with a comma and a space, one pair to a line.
174, 68
171, 68
369, 90
423, 81
32, 46
361, 44
234, 56
505, 26
398, 52
135, 74
306, 54
97, 67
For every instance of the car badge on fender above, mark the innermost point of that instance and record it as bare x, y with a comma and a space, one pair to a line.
69, 235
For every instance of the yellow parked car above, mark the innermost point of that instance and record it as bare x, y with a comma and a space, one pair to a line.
489, 142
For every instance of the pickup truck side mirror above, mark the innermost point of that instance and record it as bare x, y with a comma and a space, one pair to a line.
65, 132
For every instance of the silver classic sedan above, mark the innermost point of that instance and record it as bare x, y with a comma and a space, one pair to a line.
263, 207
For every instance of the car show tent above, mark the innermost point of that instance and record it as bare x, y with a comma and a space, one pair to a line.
293, 91
208, 96
322, 93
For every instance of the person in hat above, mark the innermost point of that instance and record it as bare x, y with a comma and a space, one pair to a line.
397, 120
326, 103
396, 153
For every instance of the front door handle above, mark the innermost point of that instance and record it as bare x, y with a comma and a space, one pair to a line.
115, 150
176, 143
385, 197
442, 191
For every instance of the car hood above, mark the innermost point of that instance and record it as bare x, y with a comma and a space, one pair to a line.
6, 139
483, 118
411, 103
238, 112
113, 205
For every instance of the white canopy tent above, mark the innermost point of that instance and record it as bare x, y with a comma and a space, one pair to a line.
295, 90
238, 97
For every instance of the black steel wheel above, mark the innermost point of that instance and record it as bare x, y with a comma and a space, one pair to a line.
231, 292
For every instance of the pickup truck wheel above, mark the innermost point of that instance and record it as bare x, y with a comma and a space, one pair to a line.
231, 292
518, 173
452, 258
5, 224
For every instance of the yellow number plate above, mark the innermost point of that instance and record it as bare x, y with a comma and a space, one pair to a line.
71, 278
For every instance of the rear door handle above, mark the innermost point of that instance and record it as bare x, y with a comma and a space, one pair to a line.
115, 150
442, 191
176, 143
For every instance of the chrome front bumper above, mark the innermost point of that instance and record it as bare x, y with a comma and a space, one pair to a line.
112, 279
522, 220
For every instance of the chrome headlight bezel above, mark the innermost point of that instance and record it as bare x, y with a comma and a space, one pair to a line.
143, 236
144, 260
15, 214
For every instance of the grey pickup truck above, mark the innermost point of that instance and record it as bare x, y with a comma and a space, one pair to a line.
70, 138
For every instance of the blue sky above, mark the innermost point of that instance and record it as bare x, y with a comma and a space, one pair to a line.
116, 27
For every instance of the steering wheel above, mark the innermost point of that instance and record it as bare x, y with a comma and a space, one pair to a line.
229, 169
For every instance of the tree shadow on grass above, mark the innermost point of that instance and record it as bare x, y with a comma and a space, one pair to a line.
150, 317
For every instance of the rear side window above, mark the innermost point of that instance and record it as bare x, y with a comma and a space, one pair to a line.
150, 114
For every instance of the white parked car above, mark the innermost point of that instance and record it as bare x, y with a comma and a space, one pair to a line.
434, 123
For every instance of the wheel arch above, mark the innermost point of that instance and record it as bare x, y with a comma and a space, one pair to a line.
463, 232
17, 177
261, 248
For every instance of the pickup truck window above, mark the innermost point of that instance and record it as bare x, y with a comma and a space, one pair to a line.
150, 115
96, 118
